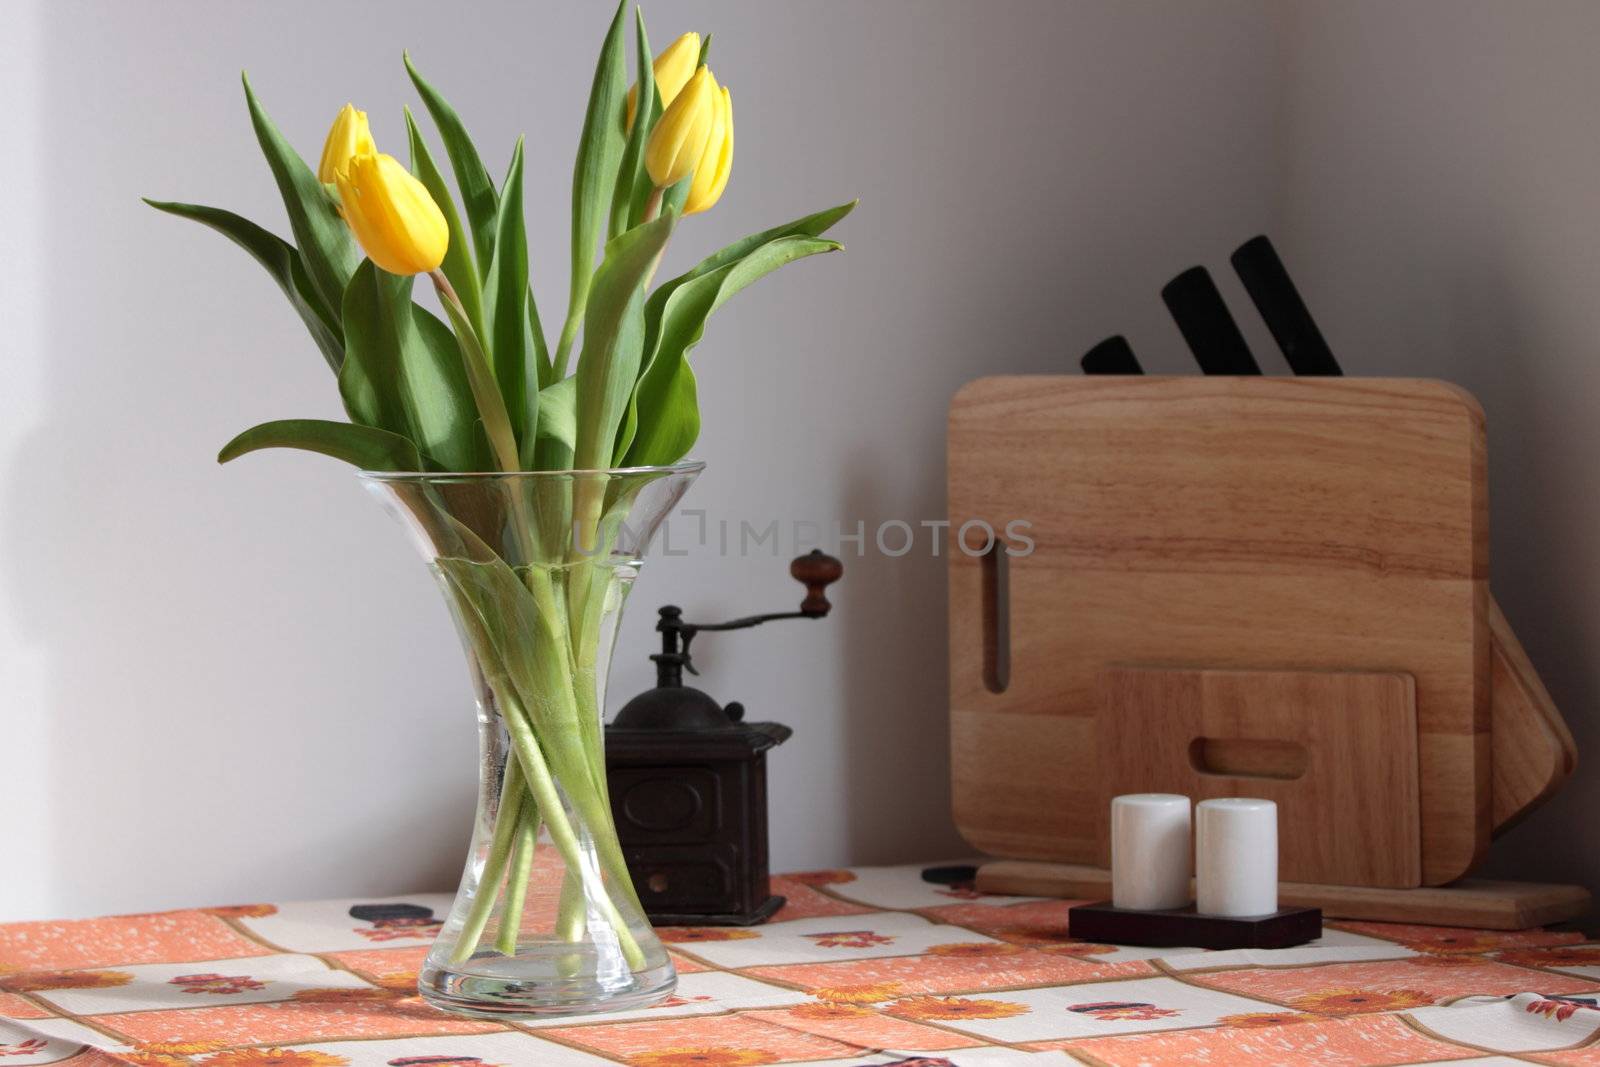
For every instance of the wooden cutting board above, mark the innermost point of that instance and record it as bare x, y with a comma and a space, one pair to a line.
1335, 750
1478, 903
1531, 748
1220, 523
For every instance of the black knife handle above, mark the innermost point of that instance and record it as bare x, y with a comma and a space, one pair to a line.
1205, 323
1267, 281
1114, 355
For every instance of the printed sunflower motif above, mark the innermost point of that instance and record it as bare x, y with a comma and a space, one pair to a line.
399, 981
702, 1057
1038, 936
850, 939
1553, 956
1251, 1019
975, 948
932, 1009
242, 911
1428, 959
831, 1010
37, 981
1346, 1001
1457, 944
273, 1057
686, 935
181, 1048
866, 993
215, 984
1123, 1011
1078, 948
828, 877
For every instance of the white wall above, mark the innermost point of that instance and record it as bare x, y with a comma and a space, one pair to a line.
234, 684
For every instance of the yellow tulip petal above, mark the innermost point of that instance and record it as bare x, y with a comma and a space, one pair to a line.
678, 142
673, 69
392, 215
348, 136
703, 195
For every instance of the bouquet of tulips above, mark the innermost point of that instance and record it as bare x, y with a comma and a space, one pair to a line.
489, 392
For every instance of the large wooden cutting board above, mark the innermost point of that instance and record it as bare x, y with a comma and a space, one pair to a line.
1233, 523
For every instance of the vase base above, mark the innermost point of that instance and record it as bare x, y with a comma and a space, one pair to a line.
539, 984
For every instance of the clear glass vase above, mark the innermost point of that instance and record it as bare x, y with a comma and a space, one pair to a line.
535, 568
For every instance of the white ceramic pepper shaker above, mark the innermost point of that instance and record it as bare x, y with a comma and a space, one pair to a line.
1236, 857
1150, 851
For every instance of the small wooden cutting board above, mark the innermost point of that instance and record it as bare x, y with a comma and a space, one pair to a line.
1336, 750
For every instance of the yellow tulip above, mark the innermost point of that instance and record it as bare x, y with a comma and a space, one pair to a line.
678, 142
673, 67
349, 136
711, 175
391, 214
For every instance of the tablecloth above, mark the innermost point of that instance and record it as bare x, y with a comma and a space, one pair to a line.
863, 966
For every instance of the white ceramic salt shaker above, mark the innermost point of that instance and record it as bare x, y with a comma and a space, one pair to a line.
1150, 851
1236, 857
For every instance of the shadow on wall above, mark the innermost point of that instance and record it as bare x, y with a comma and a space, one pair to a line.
895, 691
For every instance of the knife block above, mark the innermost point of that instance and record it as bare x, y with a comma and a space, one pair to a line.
1238, 525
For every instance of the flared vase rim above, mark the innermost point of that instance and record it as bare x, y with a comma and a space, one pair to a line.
694, 466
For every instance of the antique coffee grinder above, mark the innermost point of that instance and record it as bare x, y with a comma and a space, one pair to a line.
688, 779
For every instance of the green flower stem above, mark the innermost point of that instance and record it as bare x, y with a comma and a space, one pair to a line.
480, 379
582, 642
511, 802
566, 841
527, 836
569, 329
572, 913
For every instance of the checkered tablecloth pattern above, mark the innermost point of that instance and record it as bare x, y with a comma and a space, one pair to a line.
867, 966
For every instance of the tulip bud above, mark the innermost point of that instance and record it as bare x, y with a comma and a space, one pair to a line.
391, 214
711, 174
673, 69
678, 142
348, 137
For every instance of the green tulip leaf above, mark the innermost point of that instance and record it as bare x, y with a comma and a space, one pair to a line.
558, 425
506, 293
324, 241
441, 396
363, 446
594, 176
633, 180
663, 419
472, 177
458, 264
401, 371
546, 369
281, 260
484, 389
808, 226
613, 338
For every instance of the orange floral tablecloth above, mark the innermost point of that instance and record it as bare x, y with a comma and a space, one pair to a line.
864, 966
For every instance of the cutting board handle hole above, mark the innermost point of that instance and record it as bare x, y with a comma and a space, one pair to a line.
1239, 757
996, 618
